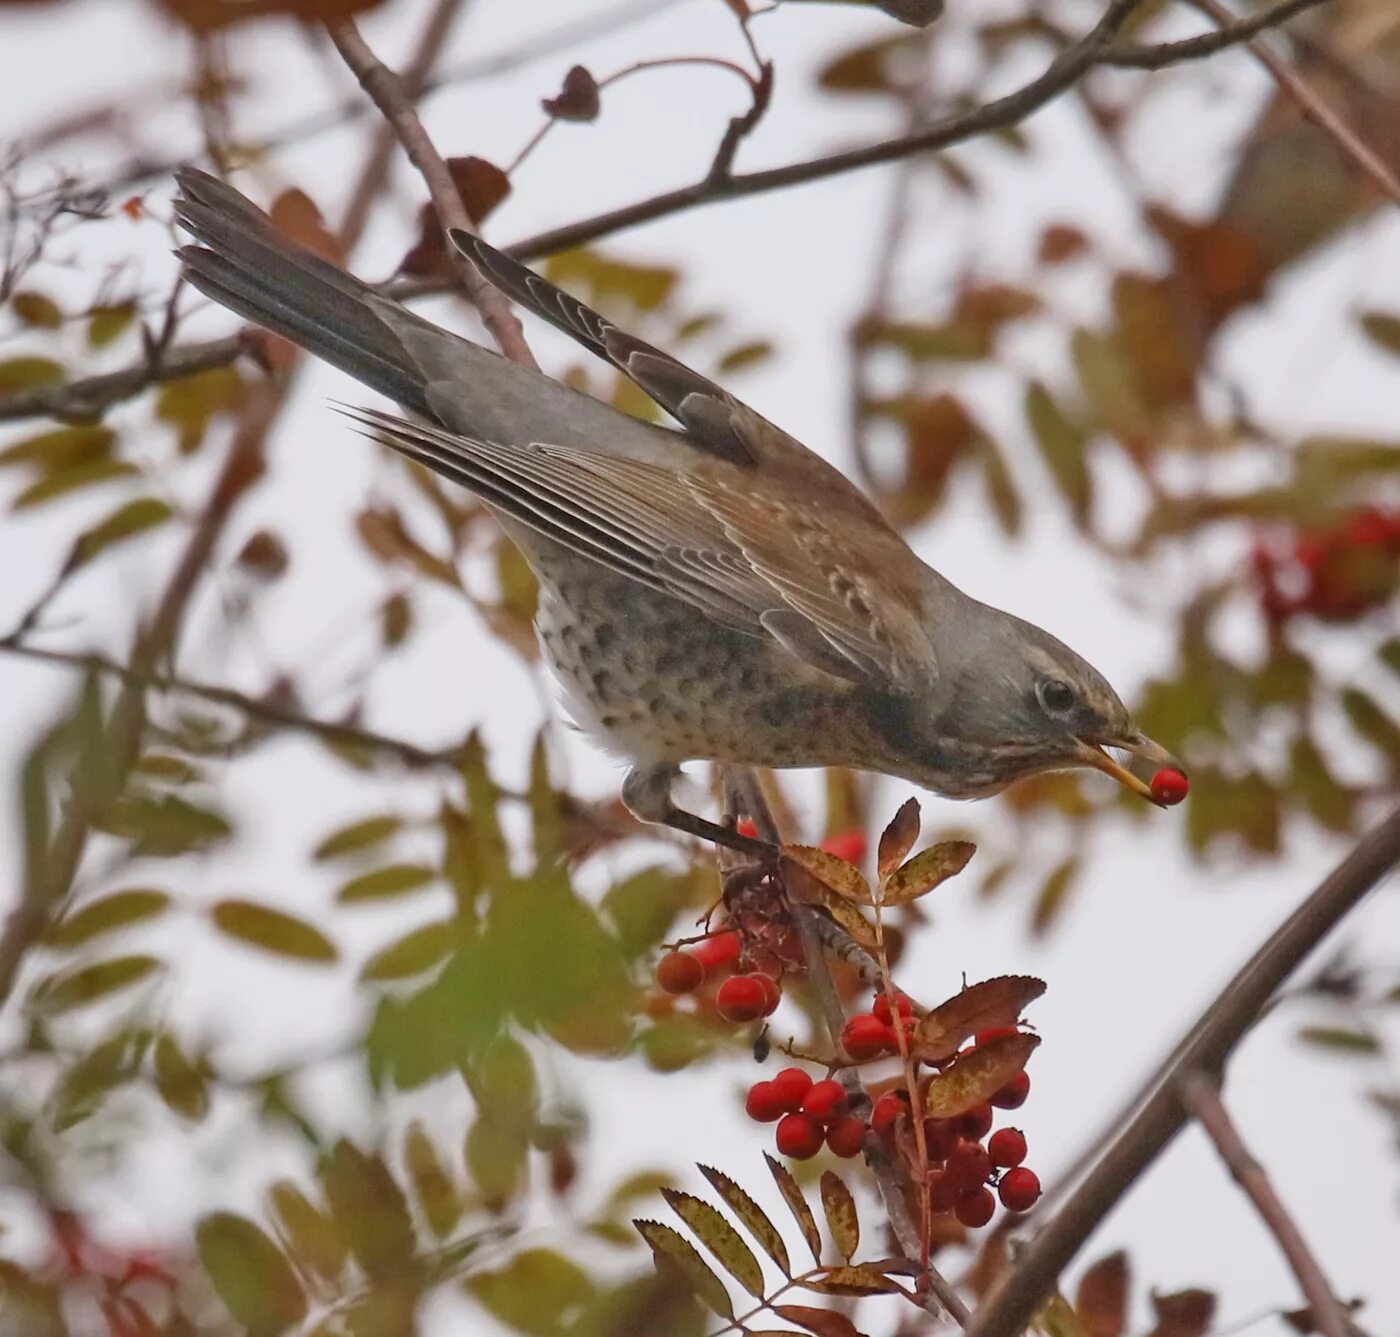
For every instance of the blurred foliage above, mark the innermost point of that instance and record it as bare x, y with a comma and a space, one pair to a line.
1272, 556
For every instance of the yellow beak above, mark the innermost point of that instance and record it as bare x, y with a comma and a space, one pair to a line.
1091, 753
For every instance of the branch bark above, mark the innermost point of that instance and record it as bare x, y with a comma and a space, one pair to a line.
1161, 1114
1201, 1096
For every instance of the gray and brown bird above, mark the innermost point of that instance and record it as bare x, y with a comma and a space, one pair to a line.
714, 591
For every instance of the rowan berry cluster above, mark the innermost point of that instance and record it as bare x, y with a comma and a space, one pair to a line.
1335, 572
808, 1114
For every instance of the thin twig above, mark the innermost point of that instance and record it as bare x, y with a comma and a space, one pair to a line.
1149, 56
390, 96
1201, 1096
1362, 156
1161, 1115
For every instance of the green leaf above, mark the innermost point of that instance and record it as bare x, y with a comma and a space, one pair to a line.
395, 880
838, 876
89, 1081
77, 988
127, 521
189, 403
357, 837
1330, 803
977, 1076
1001, 491
1107, 380
369, 1210
643, 907
1341, 1039
928, 869
797, 1205
107, 914
165, 825
415, 952
183, 1085
61, 448
1373, 724
28, 373
1063, 447
841, 1215
433, 1185
669, 1247
719, 1237
106, 324
250, 1273
496, 1152
74, 479
1053, 893
746, 355
273, 931
538, 1292
751, 1217
36, 310
309, 1234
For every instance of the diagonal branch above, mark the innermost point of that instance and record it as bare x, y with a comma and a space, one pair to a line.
1157, 56
1161, 1114
1201, 1096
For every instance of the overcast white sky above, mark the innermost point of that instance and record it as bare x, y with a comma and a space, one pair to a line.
1149, 937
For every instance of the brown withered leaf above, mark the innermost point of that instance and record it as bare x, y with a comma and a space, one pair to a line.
797, 1205
577, 99
670, 1248
898, 838
295, 213
854, 1280
719, 1237
482, 186
994, 1002
841, 1214
978, 1076
751, 1215
822, 1322
1187, 1313
836, 875
1102, 1298
928, 869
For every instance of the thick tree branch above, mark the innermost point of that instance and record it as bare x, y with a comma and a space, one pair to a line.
1161, 1114
1201, 1096
392, 98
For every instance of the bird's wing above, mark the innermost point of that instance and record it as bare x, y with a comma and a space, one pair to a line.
745, 555
715, 422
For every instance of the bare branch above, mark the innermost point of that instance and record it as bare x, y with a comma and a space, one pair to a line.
1201, 1096
389, 95
1161, 1114
1147, 56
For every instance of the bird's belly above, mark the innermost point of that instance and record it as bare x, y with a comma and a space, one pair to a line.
652, 678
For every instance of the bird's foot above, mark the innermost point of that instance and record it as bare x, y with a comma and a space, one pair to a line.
646, 792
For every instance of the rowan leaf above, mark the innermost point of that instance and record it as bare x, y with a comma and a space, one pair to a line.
821, 1322
1187, 1313
412, 954
670, 1247
719, 1237
106, 324
357, 837
77, 988
852, 1280
253, 1278
310, 1234
838, 876
433, 1184
751, 1216
841, 1215
898, 838
994, 1002
272, 931
369, 1209
928, 869
107, 914
977, 1076
797, 1205
383, 883
183, 1085
1102, 1298
1063, 446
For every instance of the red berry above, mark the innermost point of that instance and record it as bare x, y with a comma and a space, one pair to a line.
1170, 786
792, 1084
887, 1111
1013, 1095
825, 1101
741, 999
846, 1137
943, 1191
772, 992
1019, 1189
848, 845
679, 972
969, 1165
765, 1102
719, 949
940, 1137
745, 827
975, 1209
881, 1008
976, 1123
994, 1033
864, 1037
1007, 1147
799, 1137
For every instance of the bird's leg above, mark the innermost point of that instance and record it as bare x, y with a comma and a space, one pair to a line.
646, 792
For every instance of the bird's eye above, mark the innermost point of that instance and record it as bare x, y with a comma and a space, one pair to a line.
1056, 697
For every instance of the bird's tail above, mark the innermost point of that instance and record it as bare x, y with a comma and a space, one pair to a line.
245, 263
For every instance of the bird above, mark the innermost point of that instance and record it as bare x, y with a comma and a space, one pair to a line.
709, 591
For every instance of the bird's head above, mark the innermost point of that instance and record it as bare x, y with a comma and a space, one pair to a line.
1019, 702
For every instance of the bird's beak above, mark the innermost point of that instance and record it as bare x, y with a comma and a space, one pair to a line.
1091, 753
